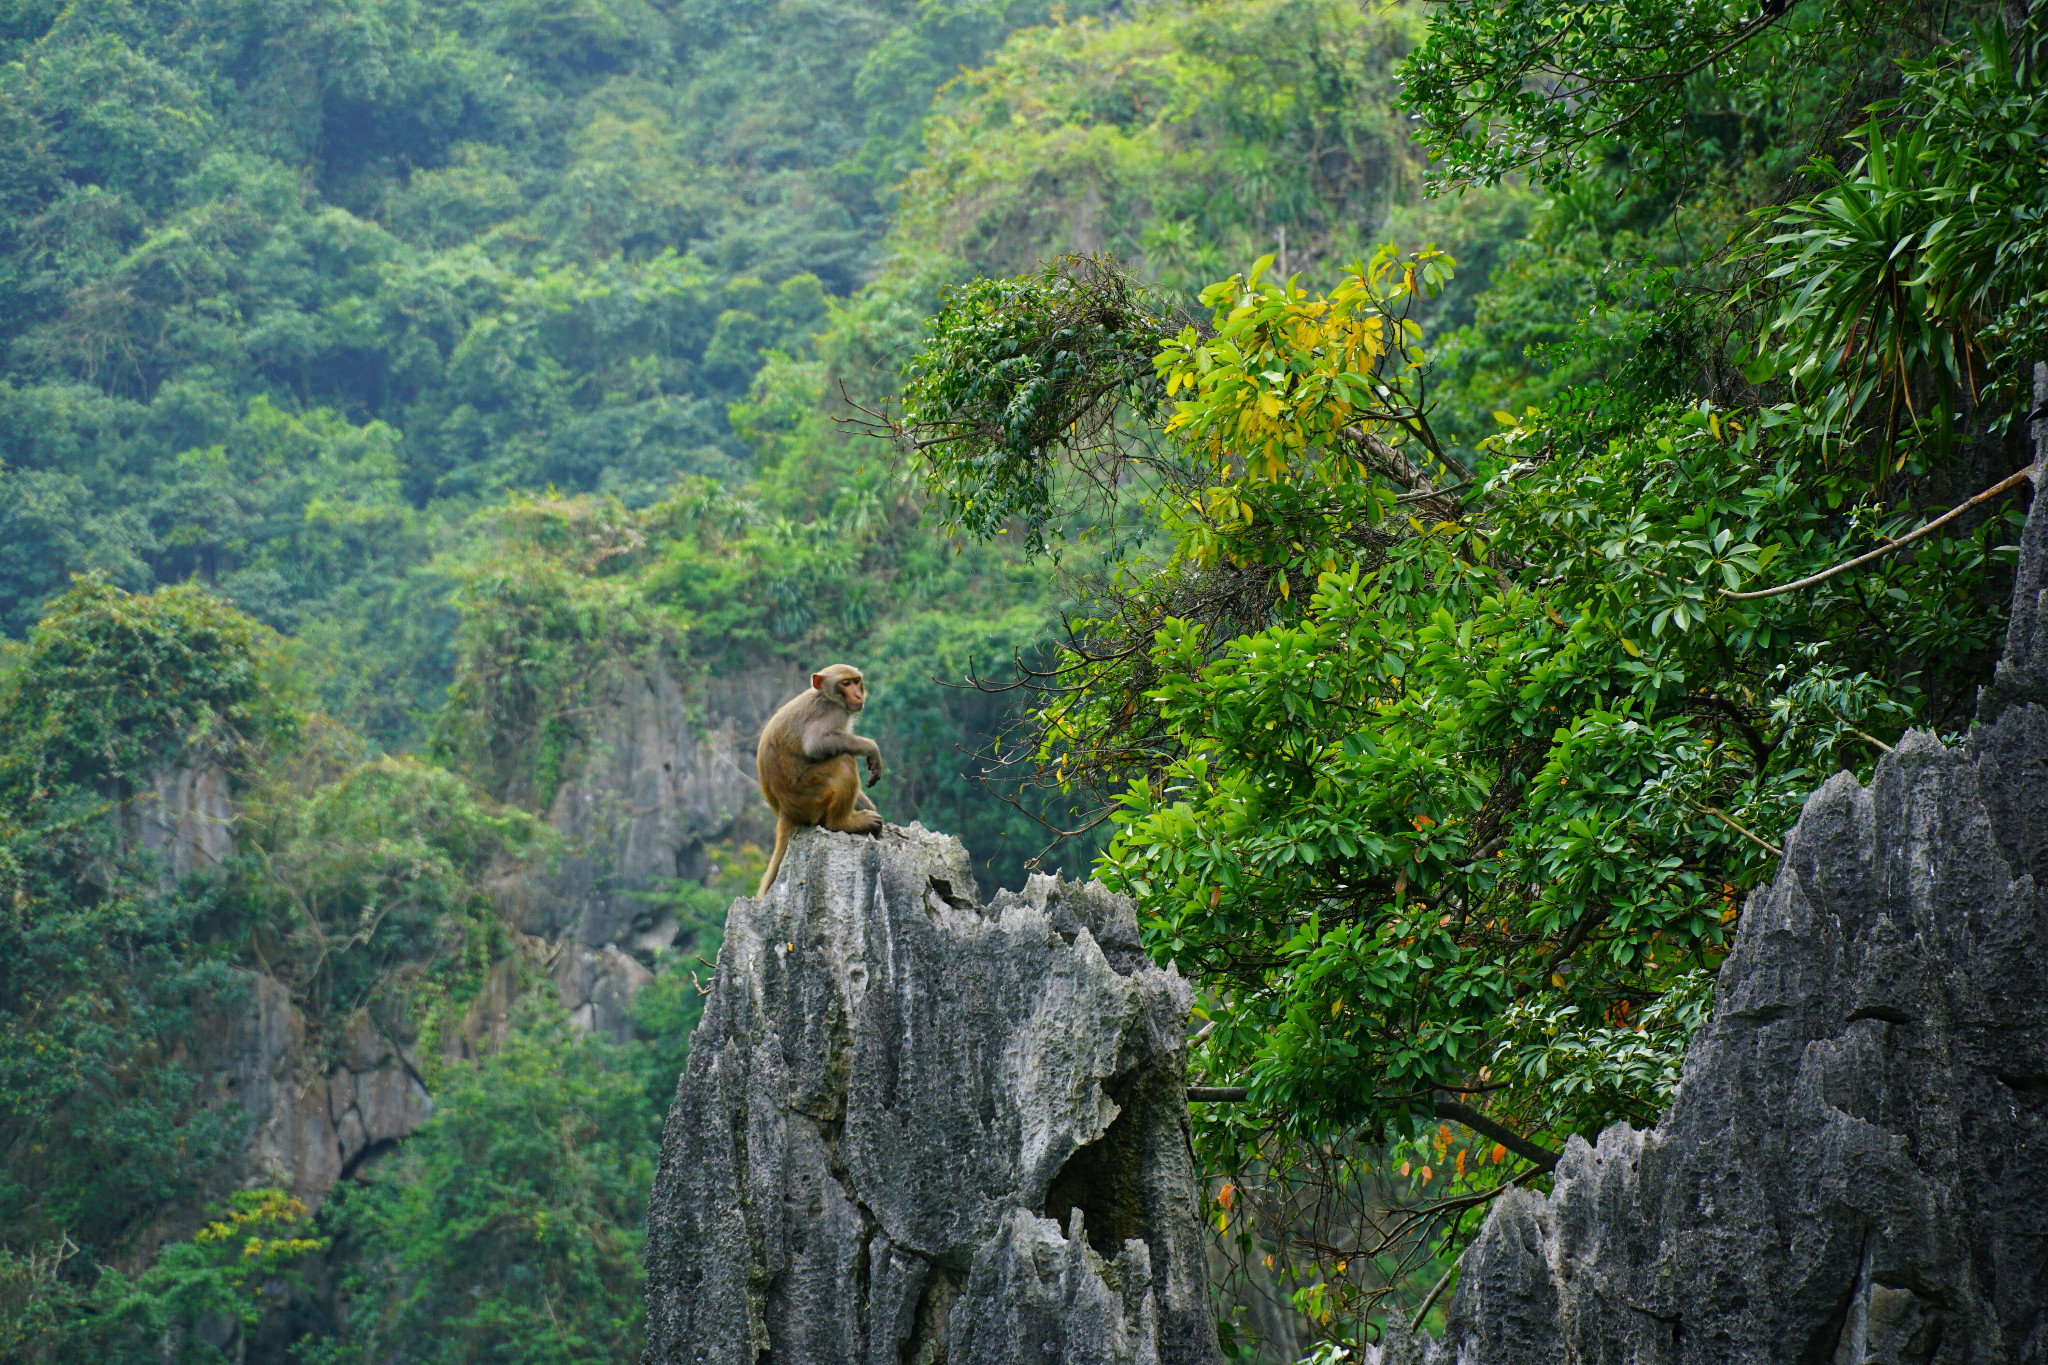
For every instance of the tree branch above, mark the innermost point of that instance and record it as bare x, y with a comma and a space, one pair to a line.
1486, 1127
1573, 938
1725, 819
1881, 551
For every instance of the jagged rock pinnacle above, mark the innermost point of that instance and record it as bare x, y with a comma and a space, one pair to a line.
917, 1128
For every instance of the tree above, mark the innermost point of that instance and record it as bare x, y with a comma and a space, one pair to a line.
190, 1307
508, 1227
1443, 771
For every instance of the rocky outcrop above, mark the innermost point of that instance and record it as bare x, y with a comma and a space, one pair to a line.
597, 986
183, 823
1853, 1170
1855, 1167
919, 1128
312, 1118
664, 769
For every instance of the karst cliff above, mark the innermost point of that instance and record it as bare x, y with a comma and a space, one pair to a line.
665, 769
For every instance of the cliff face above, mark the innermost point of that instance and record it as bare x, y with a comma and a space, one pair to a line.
312, 1118
917, 1128
665, 769
183, 824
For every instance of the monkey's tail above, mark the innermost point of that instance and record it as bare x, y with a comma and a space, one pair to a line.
783, 828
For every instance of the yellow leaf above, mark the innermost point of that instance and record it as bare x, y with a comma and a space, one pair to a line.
1285, 591
1500, 1153
1505, 419
1630, 646
1336, 1008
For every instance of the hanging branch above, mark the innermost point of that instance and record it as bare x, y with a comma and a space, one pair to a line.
1758, 840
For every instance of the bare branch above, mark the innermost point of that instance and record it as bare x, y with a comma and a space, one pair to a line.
1881, 551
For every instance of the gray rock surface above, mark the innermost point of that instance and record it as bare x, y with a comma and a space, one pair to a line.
183, 823
597, 986
667, 767
915, 1128
311, 1116
1855, 1168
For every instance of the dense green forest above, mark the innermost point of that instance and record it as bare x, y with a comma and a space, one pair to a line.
1370, 435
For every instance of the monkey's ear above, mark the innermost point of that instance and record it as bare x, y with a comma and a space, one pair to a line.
817, 682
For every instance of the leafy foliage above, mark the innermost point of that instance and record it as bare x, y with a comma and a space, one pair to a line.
364, 875
1180, 136
508, 1227
188, 1308
108, 680
1922, 263
1018, 372
1443, 764
101, 979
288, 295
1667, 86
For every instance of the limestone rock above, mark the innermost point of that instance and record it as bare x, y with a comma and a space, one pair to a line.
897, 1100
666, 768
183, 823
597, 986
1036, 1295
309, 1124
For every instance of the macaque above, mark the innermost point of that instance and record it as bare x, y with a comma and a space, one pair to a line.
806, 761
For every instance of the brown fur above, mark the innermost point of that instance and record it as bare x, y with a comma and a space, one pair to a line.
806, 759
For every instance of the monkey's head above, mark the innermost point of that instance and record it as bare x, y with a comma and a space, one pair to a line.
842, 684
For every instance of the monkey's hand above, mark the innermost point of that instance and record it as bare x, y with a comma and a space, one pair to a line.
874, 769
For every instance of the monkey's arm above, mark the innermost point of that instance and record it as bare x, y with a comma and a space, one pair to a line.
819, 747
829, 741
822, 742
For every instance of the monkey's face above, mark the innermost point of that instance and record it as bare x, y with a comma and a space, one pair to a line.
844, 685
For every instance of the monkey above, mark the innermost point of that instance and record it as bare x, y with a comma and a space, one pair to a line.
806, 760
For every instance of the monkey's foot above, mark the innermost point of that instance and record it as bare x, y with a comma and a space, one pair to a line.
862, 822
